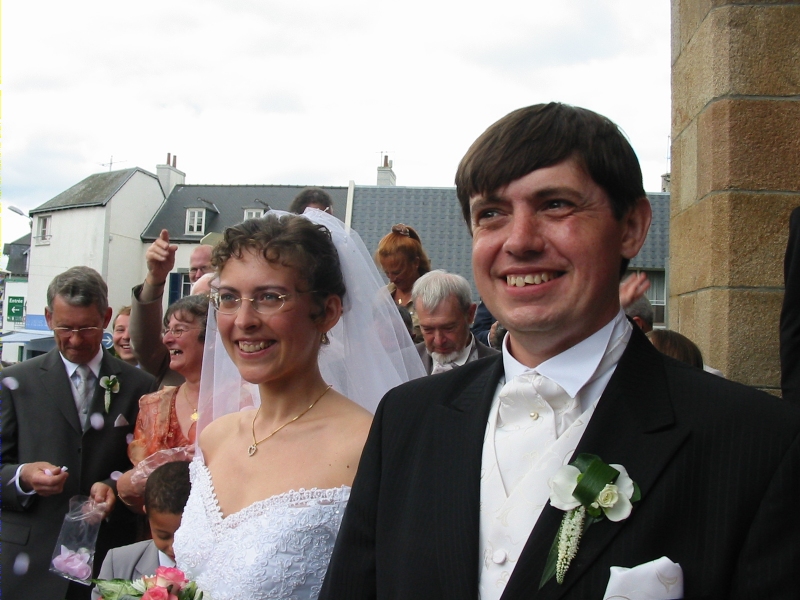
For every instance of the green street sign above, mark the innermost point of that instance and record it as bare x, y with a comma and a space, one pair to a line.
15, 309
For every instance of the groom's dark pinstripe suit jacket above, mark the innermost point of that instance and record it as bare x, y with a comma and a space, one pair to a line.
718, 464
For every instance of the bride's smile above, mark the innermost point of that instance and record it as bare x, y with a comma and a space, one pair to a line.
267, 339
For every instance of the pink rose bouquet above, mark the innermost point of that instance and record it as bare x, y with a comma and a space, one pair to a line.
170, 576
168, 583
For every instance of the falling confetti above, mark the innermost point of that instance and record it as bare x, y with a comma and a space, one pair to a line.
97, 421
10, 382
21, 564
129, 438
116, 475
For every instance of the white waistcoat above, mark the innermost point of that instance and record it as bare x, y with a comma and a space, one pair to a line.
507, 522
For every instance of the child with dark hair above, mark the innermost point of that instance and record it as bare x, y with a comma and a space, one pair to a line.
165, 495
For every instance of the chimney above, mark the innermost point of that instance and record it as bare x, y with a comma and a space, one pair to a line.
169, 176
665, 181
386, 176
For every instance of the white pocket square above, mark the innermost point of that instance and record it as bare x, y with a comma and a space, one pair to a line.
660, 579
121, 421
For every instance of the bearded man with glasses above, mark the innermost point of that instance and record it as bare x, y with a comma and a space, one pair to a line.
65, 418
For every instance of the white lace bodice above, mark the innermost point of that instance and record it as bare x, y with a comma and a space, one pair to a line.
275, 548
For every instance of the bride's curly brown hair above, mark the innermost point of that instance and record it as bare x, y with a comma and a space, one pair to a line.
291, 241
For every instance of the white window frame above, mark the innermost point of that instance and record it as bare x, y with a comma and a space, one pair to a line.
186, 285
195, 221
253, 213
44, 227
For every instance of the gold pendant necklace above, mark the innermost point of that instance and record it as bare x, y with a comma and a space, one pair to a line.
195, 415
251, 450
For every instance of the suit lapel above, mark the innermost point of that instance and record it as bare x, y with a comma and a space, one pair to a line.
460, 424
147, 563
107, 368
427, 361
634, 426
57, 387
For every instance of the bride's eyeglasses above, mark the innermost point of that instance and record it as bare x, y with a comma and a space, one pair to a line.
263, 302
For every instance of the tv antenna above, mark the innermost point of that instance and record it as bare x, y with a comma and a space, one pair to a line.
111, 162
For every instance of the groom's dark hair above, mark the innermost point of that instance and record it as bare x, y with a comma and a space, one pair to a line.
544, 135
167, 488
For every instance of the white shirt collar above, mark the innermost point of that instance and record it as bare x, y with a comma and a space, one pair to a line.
462, 357
93, 364
164, 560
573, 368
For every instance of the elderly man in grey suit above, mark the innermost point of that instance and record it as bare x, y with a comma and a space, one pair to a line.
65, 427
445, 309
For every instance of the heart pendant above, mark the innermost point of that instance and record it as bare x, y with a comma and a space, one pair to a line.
252, 449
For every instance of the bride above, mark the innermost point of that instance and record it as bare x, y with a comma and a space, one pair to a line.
270, 486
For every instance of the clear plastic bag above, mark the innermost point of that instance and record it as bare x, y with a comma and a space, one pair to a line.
73, 556
145, 467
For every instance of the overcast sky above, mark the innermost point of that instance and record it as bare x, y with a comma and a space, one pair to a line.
310, 92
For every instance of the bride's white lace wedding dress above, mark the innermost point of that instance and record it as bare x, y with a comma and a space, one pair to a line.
275, 548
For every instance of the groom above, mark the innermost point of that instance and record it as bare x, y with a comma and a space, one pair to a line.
451, 498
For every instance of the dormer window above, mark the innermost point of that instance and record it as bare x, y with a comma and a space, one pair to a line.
253, 213
43, 229
195, 221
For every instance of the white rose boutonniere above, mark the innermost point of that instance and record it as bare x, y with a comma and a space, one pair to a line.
587, 490
111, 386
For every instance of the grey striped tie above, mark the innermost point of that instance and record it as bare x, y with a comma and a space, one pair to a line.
85, 384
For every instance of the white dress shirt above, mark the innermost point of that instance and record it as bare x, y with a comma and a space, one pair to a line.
71, 367
460, 360
164, 560
519, 458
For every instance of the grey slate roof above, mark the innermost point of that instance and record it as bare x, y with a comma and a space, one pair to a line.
231, 201
95, 190
434, 212
655, 252
17, 252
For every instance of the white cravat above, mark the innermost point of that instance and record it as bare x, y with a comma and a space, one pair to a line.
533, 413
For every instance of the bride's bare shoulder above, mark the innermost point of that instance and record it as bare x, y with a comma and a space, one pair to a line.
221, 429
351, 422
349, 413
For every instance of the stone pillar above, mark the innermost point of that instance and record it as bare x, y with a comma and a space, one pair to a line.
735, 178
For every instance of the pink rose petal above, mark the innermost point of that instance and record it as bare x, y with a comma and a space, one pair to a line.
10, 382
73, 563
21, 563
97, 421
